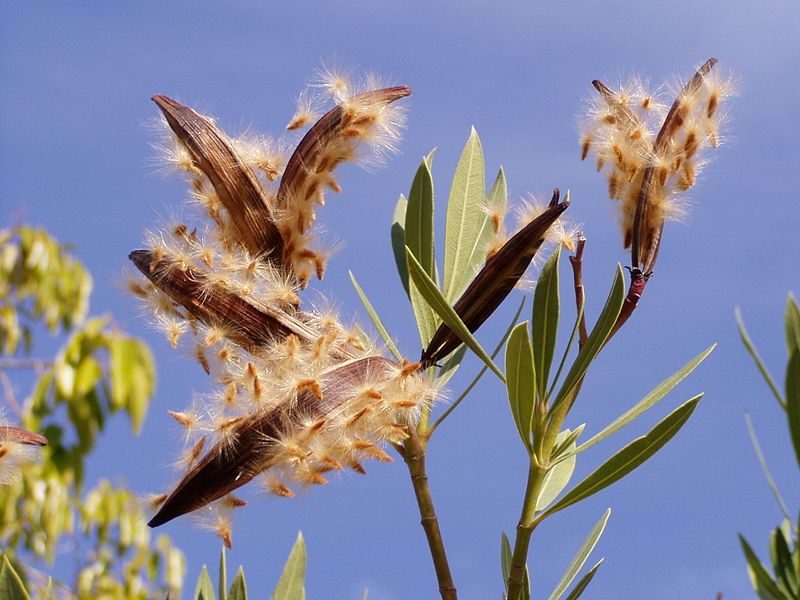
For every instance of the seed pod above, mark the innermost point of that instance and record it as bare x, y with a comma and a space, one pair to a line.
228, 466
494, 282
236, 185
17, 435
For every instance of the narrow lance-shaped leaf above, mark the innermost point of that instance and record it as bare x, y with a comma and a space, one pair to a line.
11, 586
627, 459
446, 312
584, 581
559, 475
793, 400
445, 374
521, 381
495, 281
545, 319
782, 566
605, 323
291, 585
238, 587
505, 558
419, 219
451, 365
398, 236
650, 400
751, 349
464, 217
764, 467
204, 590
419, 239
426, 318
581, 556
759, 577
222, 582
567, 445
376, 320
792, 325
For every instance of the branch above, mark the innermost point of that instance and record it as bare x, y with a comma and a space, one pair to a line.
580, 295
414, 455
37, 364
8, 393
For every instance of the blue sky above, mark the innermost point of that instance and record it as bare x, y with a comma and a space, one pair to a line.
75, 83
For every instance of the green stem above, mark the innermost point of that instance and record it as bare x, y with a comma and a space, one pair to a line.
414, 456
525, 527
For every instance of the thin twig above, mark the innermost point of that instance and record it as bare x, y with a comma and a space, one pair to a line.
580, 294
414, 456
8, 393
37, 364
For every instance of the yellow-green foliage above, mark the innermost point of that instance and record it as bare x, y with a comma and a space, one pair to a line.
98, 371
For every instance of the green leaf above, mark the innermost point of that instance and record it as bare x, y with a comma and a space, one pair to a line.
781, 556
133, 377
398, 236
505, 558
447, 371
87, 374
751, 349
572, 336
11, 586
464, 219
605, 323
546, 308
291, 585
443, 309
429, 159
562, 447
559, 475
630, 457
419, 219
238, 587
650, 400
793, 400
763, 584
581, 586
521, 381
204, 590
222, 583
792, 325
376, 320
581, 556
763, 462
451, 365
419, 240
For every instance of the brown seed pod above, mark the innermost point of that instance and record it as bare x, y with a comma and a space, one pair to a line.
494, 282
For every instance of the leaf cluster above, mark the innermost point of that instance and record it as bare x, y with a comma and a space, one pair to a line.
291, 584
98, 371
783, 582
541, 390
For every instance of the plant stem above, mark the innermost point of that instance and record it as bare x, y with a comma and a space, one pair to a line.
525, 527
580, 294
414, 456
